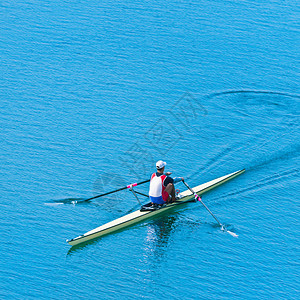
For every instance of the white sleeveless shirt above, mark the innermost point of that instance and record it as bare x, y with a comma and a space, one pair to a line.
156, 185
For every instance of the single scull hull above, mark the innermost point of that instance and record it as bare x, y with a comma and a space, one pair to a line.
139, 216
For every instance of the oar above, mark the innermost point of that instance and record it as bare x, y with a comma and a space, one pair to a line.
118, 190
197, 197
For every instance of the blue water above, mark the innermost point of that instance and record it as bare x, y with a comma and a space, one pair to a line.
93, 93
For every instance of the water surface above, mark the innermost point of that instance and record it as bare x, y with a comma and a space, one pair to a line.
94, 93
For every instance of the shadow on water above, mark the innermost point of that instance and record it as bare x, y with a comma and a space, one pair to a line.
158, 234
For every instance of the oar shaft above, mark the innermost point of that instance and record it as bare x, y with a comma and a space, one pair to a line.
118, 190
199, 199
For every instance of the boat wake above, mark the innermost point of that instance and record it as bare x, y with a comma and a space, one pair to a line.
255, 128
252, 92
257, 184
286, 153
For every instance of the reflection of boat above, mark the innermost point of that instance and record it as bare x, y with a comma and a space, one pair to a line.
138, 215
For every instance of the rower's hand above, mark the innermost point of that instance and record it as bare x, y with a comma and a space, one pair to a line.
168, 173
182, 179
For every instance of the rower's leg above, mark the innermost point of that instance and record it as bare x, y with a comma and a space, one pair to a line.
170, 189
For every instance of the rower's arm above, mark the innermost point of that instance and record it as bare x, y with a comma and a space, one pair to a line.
177, 179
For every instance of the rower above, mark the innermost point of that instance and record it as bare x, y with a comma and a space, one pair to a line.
162, 188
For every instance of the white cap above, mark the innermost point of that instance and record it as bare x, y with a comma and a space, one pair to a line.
160, 164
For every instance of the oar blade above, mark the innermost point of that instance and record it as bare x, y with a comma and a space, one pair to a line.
232, 234
223, 228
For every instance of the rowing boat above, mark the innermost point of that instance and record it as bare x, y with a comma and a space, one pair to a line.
139, 216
